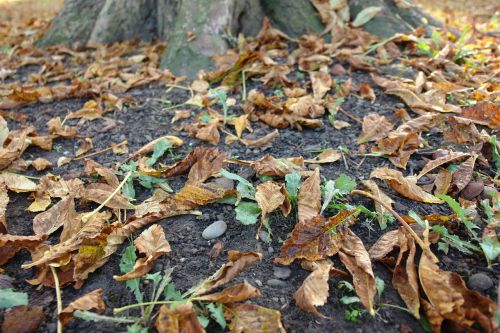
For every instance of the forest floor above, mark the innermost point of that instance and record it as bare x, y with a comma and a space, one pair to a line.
121, 95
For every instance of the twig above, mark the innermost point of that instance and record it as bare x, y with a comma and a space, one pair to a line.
124, 142
356, 119
244, 85
58, 298
87, 216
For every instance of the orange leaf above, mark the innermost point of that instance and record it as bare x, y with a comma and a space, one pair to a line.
314, 290
92, 300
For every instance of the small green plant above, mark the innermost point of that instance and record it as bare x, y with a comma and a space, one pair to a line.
10, 298
221, 98
58, 148
462, 213
337, 189
160, 148
144, 180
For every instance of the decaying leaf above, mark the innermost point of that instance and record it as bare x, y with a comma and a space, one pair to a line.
251, 318
58, 215
378, 193
152, 244
17, 183
22, 319
314, 290
209, 164
321, 84
99, 193
315, 239
92, 300
4, 201
241, 123
41, 164
406, 186
84, 147
181, 318
484, 113
463, 175
271, 196
10, 244
329, 155
237, 293
450, 156
366, 92
375, 127
274, 167
261, 141
356, 259
309, 202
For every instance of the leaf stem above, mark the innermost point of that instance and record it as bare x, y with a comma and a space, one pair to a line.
136, 305
58, 298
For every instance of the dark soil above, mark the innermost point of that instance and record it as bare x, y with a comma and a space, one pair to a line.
189, 256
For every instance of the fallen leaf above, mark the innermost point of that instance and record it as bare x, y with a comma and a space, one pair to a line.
261, 141
329, 155
484, 113
321, 84
91, 300
463, 175
314, 290
432, 164
315, 239
365, 15
152, 244
251, 318
17, 183
98, 192
206, 166
84, 147
56, 127
309, 198
357, 261
10, 244
149, 147
240, 124
366, 92
41, 164
209, 132
271, 196
22, 319
181, 318
375, 127
340, 124
274, 167
4, 202
237, 293
406, 186
58, 215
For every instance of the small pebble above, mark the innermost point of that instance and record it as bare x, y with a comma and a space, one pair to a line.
480, 282
282, 273
214, 230
258, 282
270, 249
276, 283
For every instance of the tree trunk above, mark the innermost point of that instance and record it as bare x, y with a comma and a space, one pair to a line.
196, 30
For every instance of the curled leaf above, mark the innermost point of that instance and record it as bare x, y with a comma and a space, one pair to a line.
309, 203
92, 300
314, 290
237, 293
251, 318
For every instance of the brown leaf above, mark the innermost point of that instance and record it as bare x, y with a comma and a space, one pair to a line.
251, 318
180, 114
406, 186
274, 167
366, 92
309, 197
238, 261
237, 293
321, 84
10, 244
194, 195
184, 166
22, 319
329, 155
56, 127
149, 147
463, 175
378, 193
109, 175
4, 201
205, 167
484, 113
17, 183
152, 244
84, 147
60, 214
92, 300
375, 127
431, 165
261, 141
240, 124
315, 239
98, 192
384, 245
442, 181
271, 196
314, 290
209, 132
355, 258
181, 319
41, 164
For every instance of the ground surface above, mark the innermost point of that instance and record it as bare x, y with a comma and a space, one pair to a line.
189, 257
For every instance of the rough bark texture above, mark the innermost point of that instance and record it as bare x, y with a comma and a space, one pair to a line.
210, 25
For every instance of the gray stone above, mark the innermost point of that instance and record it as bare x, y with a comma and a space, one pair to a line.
214, 230
276, 283
480, 282
270, 249
258, 282
281, 273
264, 236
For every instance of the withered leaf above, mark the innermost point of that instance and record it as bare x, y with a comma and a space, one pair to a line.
274, 167
182, 318
321, 84
149, 147
484, 113
4, 201
41, 164
208, 165
366, 92
314, 290
194, 195
22, 319
99, 192
10, 244
241, 123
92, 300
17, 183
237, 293
315, 239
152, 244
238, 261
309, 198
56, 127
184, 166
271, 196
84, 147
108, 174
355, 258
209, 132
406, 186
329, 155
251, 318
378, 193
60, 214
463, 175
431, 165
261, 141
375, 127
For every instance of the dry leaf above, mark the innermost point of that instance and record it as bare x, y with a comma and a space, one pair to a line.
241, 123
41, 164
17, 183
22, 319
274, 167
152, 244
251, 318
309, 197
63, 161
149, 147
355, 258
206, 166
329, 155
4, 202
321, 84
183, 318
92, 300
340, 124
406, 186
99, 193
261, 141
366, 92
378, 193
314, 290
209, 132
314, 239
84, 147
484, 113
463, 175
58, 215
237, 293
375, 127
450, 156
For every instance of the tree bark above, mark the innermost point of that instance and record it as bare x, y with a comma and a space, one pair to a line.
196, 30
